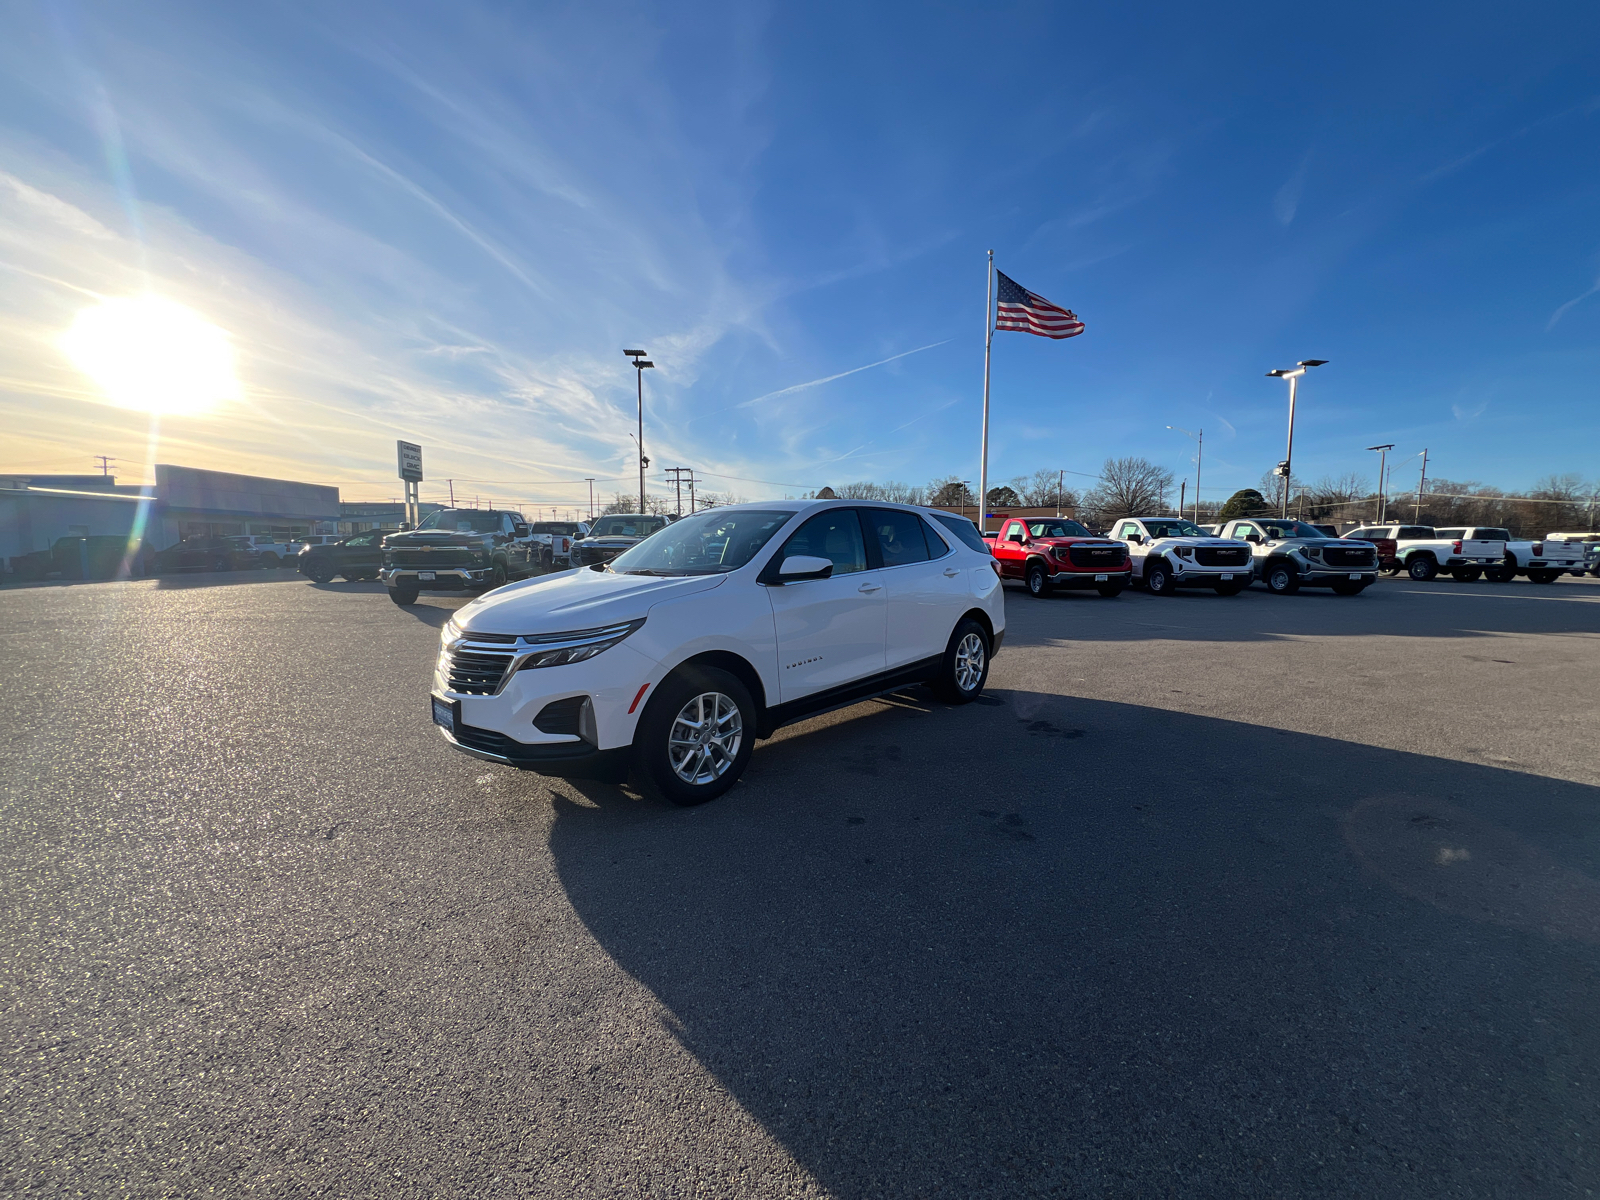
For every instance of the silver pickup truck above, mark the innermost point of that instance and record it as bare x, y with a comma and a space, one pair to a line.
1289, 555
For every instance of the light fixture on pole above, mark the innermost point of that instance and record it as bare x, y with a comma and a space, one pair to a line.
1286, 466
1383, 458
641, 363
1200, 449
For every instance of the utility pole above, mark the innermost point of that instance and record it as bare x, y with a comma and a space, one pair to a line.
105, 464
1421, 480
1183, 487
1383, 458
677, 474
452, 484
1061, 479
691, 491
590, 482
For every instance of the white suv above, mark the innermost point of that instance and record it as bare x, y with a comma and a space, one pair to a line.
717, 630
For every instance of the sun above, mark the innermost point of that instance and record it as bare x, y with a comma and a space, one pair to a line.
153, 354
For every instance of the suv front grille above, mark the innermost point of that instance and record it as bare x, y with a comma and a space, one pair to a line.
486, 740
1222, 556
474, 672
1350, 556
1098, 557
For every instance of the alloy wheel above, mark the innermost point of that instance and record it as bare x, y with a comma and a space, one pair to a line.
705, 737
969, 662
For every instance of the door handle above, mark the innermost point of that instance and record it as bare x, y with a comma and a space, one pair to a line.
951, 572
869, 587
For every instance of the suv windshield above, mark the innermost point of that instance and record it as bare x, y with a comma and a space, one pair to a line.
1288, 529
704, 544
458, 521
1174, 528
627, 526
1056, 529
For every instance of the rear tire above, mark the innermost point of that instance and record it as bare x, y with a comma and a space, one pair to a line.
965, 667
405, 595
1422, 568
1038, 581
696, 735
1499, 574
320, 576
1467, 574
1282, 579
1158, 578
1545, 576
271, 561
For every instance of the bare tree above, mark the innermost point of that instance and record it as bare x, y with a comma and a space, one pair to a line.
1044, 489
1129, 487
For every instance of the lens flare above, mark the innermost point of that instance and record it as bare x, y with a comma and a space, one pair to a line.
153, 354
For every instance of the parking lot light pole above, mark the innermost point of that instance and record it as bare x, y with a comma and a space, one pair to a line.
1286, 467
1200, 449
640, 363
1383, 457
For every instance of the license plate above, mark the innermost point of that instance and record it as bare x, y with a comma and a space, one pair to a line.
426, 576
1227, 575
1101, 578
1355, 574
444, 713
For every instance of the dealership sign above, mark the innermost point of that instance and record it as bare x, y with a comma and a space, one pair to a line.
410, 461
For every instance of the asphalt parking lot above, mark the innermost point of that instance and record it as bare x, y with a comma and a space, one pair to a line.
1251, 896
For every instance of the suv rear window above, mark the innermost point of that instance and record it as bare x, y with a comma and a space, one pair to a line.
963, 529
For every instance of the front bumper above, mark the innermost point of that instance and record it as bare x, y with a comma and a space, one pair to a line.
566, 760
1092, 579
1194, 575
445, 579
1321, 576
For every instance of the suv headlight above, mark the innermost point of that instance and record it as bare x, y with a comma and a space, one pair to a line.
560, 649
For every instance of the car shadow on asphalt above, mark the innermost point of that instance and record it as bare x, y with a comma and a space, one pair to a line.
1115, 949
1403, 609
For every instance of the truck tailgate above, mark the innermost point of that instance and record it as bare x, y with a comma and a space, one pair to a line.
1483, 548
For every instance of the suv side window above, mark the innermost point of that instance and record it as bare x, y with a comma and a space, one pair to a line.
938, 547
1243, 529
900, 539
834, 535
364, 539
1014, 527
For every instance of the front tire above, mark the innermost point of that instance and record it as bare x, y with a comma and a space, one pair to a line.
271, 561
1543, 576
696, 735
1038, 581
1500, 574
1282, 579
965, 667
1158, 578
403, 595
497, 575
1422, 568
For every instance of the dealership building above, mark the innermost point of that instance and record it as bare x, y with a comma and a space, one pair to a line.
36, 510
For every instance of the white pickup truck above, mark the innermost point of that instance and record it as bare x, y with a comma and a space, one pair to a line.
553, 540
1422, 551
1541, 562
1586, 540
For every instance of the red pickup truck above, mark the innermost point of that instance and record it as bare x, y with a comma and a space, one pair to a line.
1052, 552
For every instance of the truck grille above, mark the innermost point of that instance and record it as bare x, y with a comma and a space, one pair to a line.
445, 558
596, 554
1097, 557
471, 671
1222, 556
1350, 556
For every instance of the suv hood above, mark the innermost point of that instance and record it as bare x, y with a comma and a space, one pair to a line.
569, 600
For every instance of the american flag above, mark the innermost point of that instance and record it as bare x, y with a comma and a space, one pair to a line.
1026, 312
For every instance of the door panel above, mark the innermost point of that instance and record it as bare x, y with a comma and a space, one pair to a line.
830, 631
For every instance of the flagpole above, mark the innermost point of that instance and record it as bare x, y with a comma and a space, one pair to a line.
988, 338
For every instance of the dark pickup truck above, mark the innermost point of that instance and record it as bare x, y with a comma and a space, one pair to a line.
1046, 553
458, 550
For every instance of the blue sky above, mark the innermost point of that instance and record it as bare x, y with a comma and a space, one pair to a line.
444, 223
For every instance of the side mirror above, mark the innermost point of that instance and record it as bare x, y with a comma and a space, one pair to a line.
405, 526
799, 567
1014, 537
1136, 538
1253, 538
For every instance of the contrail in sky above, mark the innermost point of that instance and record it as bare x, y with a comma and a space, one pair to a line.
800, 387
